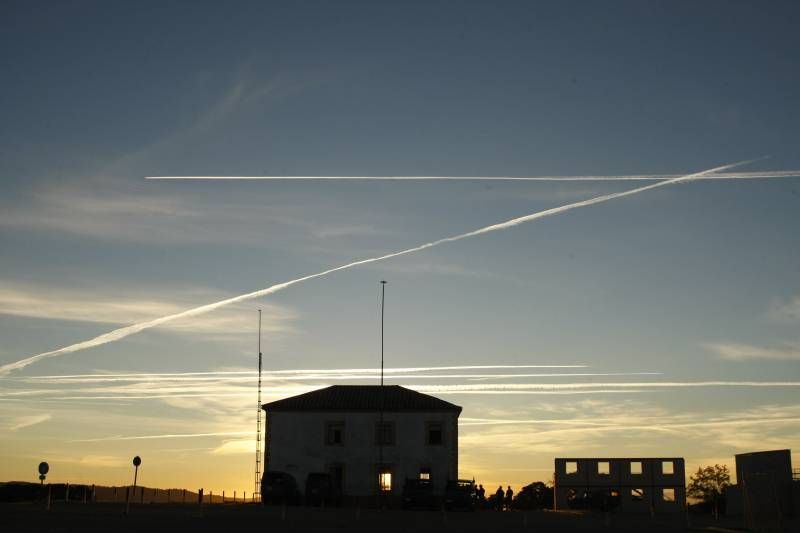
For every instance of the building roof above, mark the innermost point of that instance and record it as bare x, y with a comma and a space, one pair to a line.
391, 398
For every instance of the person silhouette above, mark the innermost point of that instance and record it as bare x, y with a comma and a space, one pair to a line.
498, 495
481, 494
509, 498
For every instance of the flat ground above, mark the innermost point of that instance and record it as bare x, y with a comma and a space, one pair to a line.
235, 517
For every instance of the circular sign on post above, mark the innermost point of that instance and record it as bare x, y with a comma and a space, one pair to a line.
137, 461
44, 468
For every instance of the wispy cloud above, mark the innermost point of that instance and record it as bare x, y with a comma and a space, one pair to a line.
28, 421
789, 351
109, 306
787, 310
238, 446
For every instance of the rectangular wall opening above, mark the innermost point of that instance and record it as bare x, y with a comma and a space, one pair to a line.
667, 467
636, 468
668, 495
637, 495
571, 467
603, 468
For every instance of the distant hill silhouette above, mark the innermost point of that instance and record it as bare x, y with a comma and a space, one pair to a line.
24, 491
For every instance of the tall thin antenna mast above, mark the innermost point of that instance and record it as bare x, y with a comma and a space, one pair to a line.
383, 299
381, 429
257, 489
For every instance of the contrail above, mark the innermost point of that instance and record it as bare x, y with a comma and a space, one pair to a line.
629, 177
123, 332
502, 388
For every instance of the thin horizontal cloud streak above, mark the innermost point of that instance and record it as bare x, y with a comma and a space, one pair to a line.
166, 436
268, 378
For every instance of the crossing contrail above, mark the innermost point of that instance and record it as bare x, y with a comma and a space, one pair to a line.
126, 331
624, 177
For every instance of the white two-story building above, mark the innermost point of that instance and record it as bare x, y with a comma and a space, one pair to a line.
369, 438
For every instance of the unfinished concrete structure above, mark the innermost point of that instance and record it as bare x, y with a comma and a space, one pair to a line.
635, 485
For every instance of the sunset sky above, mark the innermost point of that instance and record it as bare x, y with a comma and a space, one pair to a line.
660, 324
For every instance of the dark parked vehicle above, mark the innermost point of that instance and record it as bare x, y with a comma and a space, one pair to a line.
322, 490
460, 494
280, 488
418, 494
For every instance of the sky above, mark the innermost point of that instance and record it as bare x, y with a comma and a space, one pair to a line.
659, 324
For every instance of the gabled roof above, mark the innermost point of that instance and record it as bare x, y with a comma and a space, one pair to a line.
390, 398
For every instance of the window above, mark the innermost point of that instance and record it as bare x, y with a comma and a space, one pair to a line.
636, 467
667, 467
385, 480
337, 474
603, 468
637, 495
435, 435
334, 433
571, 467
425, 473
384, 433
668, 495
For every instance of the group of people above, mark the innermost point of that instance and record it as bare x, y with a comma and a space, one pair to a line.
503, 500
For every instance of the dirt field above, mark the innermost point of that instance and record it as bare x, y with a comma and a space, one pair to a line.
229, 517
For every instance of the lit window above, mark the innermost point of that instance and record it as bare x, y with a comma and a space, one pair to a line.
667, 467
668, 495
571, 467
425, 473
385, 480
334, 433
637, 495
603, 468
435, 433
636, 467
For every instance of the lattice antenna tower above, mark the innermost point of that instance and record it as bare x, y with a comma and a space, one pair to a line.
257, 489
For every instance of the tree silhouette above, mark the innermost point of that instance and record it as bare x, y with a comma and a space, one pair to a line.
708, 485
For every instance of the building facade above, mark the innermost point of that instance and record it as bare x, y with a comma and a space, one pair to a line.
369, 438
636, 485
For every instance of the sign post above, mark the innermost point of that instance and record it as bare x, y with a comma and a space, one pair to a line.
136, 462
44, 468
